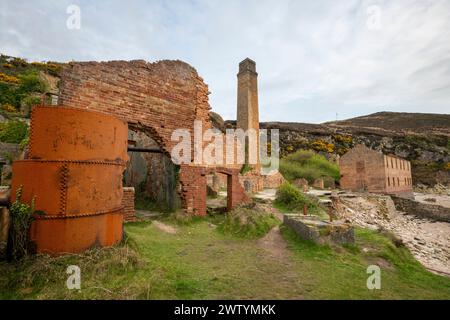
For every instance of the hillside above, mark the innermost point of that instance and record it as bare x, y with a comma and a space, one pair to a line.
397, 123
423, 139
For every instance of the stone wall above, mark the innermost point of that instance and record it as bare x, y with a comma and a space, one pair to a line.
128, 204
422, 210
313, 229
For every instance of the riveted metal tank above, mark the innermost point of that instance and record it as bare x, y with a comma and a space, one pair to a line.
74, 173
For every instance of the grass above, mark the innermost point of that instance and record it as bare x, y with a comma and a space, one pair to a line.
308, 165
332, 270
201, 262
250, 223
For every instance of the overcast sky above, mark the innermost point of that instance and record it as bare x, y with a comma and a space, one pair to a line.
314, 58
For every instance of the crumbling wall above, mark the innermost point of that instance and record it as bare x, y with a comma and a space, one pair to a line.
128, 204
156, 98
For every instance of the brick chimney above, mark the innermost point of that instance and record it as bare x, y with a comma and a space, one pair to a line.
247, 101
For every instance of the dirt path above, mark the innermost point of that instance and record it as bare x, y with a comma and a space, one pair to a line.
274, 244
164, 227
275, 248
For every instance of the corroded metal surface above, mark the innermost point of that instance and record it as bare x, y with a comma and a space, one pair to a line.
68, 133
57, 236
75, 177
69, 187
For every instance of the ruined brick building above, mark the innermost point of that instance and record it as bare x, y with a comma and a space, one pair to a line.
364, 169
154, 99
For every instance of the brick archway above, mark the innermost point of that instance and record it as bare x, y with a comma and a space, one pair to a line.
194, 183
235, 191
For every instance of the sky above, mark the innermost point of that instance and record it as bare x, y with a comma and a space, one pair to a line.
317, 61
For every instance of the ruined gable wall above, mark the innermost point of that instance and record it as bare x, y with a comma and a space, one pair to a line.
362, 167
161, 96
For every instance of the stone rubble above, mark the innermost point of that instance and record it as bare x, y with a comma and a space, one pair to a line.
428, 241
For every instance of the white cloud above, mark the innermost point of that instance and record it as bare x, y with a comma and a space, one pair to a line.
314, 58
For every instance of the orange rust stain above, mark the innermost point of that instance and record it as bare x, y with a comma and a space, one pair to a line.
76, 134
74, 173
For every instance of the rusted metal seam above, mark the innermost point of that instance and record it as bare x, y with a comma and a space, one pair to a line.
90, 162
31, 140
51, 217
101, 113
63, 189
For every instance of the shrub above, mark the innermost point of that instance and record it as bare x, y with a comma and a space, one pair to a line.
54, 68
19, 62
21, 89
21, 218
8, 79
31, 101
8, 107
308, 165
322, 146
25, 141
13, 131
292, 199
343, 139
31, 82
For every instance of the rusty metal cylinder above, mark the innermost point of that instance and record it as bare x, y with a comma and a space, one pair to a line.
74, 173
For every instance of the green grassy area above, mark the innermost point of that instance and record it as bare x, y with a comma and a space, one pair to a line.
290, 199
340, 273
201, 262
308, 165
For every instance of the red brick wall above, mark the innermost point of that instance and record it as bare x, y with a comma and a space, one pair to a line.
154, 97
128, 204
160, 97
